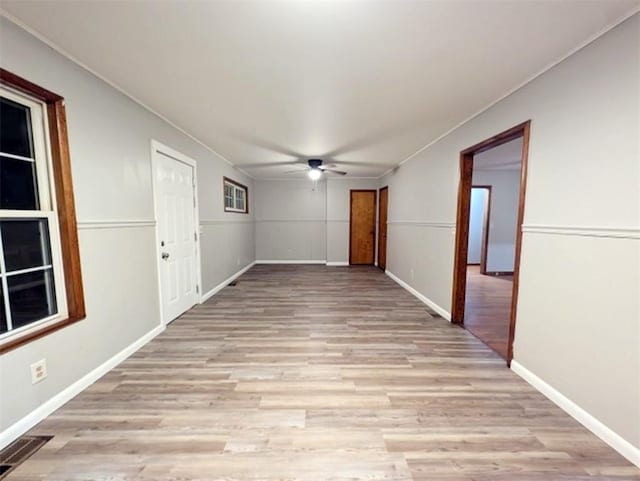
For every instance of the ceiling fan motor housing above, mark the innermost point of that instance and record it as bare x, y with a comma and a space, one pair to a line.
315, 163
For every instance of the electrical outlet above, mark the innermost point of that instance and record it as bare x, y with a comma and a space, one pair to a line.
38, 371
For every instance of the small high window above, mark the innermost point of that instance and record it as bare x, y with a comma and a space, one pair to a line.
40, 287
235, 196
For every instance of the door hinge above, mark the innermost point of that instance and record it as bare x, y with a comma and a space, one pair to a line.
195, 236
197, 289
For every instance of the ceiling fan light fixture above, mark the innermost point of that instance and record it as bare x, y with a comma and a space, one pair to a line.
315, 174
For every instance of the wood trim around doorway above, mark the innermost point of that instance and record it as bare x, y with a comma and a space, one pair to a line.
462, 223
382, 227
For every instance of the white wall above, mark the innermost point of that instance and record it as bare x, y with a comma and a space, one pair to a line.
578, 318
503, 216
290, 220
109, 137
296, 223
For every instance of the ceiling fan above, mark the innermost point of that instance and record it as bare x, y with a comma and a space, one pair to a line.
316, 168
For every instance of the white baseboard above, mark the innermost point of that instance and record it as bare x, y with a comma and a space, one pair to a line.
337, 264
208, 295
617, 442
291, 262
443, 312
34, 417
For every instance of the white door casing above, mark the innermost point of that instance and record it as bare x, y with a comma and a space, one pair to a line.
175, 199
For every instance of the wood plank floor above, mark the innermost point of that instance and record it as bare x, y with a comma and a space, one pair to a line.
488, 307
313, 373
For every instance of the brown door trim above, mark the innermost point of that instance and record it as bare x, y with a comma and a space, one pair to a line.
382, 265
373, 234
462, 223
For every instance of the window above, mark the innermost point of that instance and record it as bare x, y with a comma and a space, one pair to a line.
40, 287
235, 197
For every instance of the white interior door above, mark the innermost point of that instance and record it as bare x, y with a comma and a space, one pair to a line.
177, 238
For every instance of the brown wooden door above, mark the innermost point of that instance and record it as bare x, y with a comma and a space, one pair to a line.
362, 236
382, 228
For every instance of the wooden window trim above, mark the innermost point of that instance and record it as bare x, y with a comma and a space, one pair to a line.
246, 196
66, 212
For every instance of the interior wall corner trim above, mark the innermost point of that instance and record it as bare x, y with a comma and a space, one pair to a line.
115, 224
584, 231
608, 435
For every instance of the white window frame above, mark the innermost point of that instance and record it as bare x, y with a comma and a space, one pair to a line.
47, 210
236, 188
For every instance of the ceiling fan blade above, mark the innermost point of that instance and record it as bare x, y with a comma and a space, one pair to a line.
295, 171
271, 164
360, 164
333, 171
327, 166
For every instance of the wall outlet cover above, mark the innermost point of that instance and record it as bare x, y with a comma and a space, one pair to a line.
38, 371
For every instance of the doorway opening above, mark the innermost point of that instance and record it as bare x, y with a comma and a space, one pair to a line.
488, 237
362, 227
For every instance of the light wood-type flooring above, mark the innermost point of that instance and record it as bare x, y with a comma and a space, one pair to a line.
316, 373
487, 308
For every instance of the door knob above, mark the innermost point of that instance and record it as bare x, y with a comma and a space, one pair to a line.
165, 255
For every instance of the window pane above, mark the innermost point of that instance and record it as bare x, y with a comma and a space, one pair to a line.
240, 199
25, 243
18, 184
31, 297
15, 129
3, 317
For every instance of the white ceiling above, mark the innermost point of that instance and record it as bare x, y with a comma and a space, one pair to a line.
507, 156
364, 83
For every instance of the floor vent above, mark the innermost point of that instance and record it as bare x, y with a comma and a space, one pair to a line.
233, 283
431, 312
19, 451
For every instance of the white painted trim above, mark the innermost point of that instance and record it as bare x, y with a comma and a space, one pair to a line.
579, 47
225, 221
156, 149
418, 223
613, 439
337, 263
34, 417
205, 297
584, 231
443, 312
285, 261
114, 224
